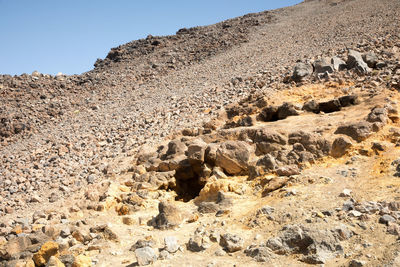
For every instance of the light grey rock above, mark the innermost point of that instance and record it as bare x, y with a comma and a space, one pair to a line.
345, 193
259, 254
145, 256
301, 71
171, 244
231, 243
164, 255
323, 65
198, 243
355, 61
266, 210
338, 64
317, 246
371, 59
386, 219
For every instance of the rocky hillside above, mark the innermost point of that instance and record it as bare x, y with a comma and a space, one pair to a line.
269, 139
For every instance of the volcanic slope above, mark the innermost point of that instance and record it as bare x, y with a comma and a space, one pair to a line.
78, 143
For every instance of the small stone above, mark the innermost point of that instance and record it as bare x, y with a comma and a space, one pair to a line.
128, 220
267, 210
164, 255
220, 252
145, 256
378, 146
356, 263
345, 193
198, 243
171, 244
355, 213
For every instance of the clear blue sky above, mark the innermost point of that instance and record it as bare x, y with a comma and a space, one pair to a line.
69, 35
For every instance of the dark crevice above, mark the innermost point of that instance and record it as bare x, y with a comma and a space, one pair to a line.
188, 184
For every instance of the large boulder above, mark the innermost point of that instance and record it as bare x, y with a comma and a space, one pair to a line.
340, 146
378, 114
330, 106
355, 61
301, 71
14, 247
170, 216
231, 243
317, 246
359, 131
286, 110
312, 142
145, 256
175, 148
233, 157
338, 64
323, 65
266, 140
196, 151
371, 59
268, 114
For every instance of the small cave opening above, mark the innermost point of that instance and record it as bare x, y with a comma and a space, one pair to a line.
188, 184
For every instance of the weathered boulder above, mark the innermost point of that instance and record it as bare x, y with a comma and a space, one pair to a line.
54, 262
210, 155
340, 146
233, 157
198, 243
259, 254
371, 59
317, 246
266, 140
338, 64
171, 244
330, 106
348, 100
313, 143
311, 106
355, 61
14, 247
378, 114
268, 162
269, 113
196, 151
323, 65
358, 131
170, 216
286, 110
231, 243
175, 148
106, 232
82, 261
46, 251
145, 256
301, 71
